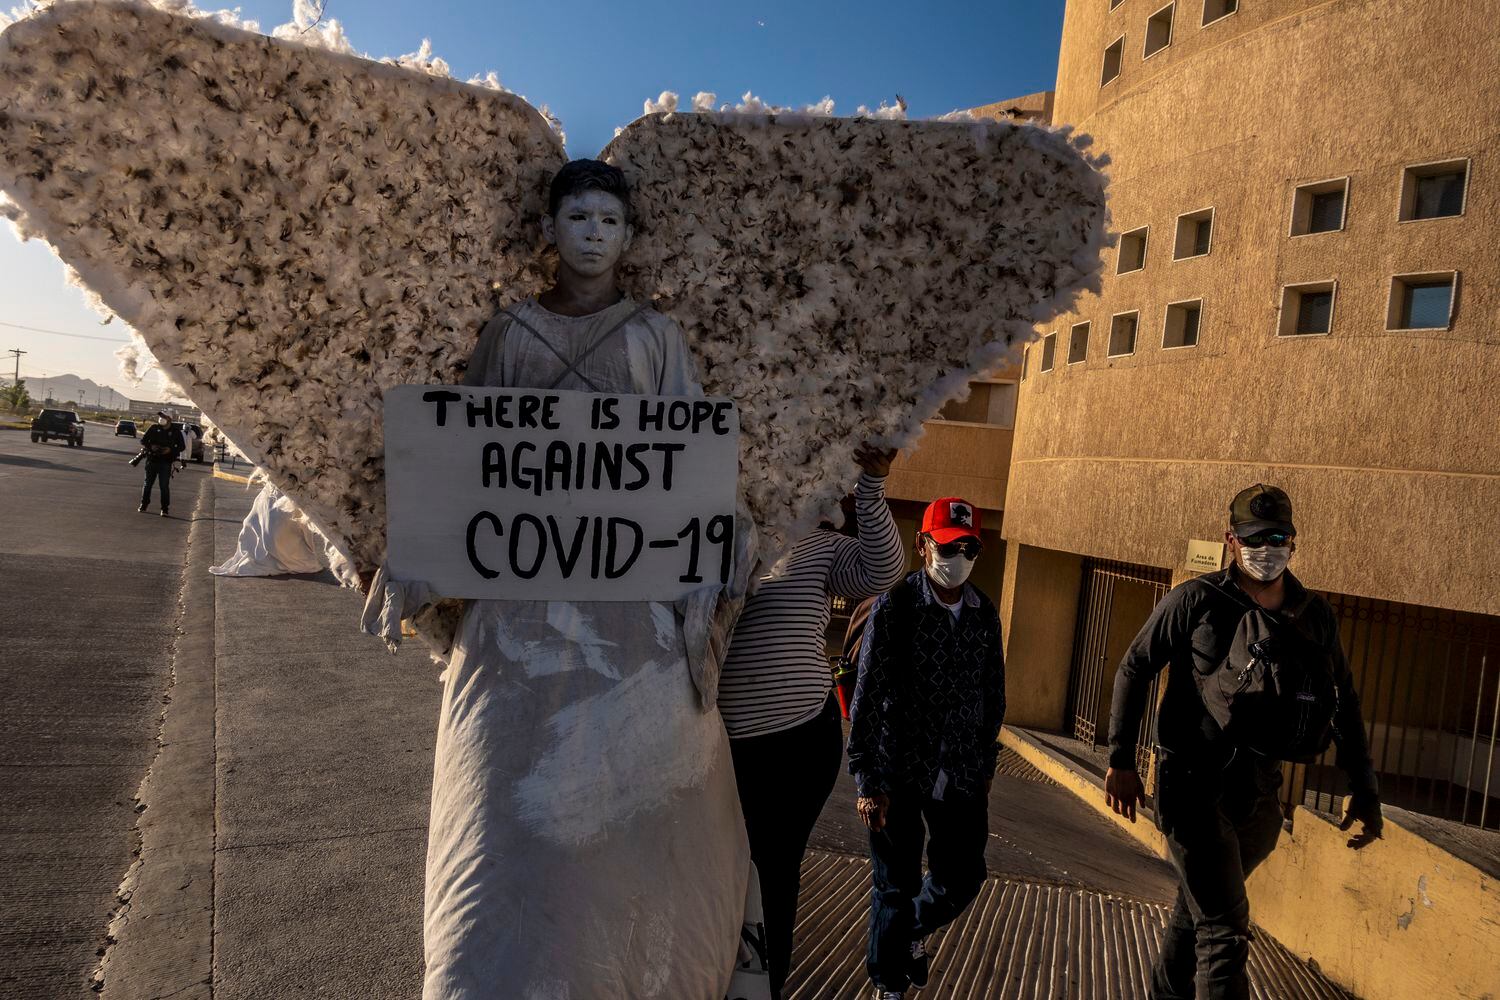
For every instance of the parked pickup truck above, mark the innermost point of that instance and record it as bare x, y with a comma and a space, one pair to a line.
64, 425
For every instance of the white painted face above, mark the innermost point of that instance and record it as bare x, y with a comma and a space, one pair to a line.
589, 231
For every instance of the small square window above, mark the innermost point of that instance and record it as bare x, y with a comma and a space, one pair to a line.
1078, 344
1132, 251
1319, 208
1182, 322
1195, 234
1113, 56
1049, 351
1434, 190
1422, 301
1122, 334
1307, 309
1158, 31
1215, 9
1115, 3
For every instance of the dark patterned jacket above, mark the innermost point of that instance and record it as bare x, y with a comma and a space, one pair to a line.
931, 694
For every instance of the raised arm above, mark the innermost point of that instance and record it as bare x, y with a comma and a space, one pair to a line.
876, 561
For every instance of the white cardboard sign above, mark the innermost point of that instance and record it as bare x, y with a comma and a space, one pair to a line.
530, 494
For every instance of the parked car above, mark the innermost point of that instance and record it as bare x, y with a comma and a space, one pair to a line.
64, 425
192, 439
126, 427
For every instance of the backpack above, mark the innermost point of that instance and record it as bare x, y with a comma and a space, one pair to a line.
1275, 693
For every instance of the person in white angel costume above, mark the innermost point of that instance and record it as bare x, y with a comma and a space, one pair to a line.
291, 229
586, 837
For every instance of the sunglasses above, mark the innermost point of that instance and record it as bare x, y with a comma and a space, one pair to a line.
1275, 539
968, 547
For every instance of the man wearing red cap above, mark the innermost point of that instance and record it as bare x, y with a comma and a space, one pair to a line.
922, 744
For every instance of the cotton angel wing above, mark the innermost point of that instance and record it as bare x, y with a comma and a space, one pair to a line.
843, 278
290, 229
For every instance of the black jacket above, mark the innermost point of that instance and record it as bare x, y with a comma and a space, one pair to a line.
1191, 629
161, 444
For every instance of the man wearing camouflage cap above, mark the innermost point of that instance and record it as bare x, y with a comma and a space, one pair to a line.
1252, 656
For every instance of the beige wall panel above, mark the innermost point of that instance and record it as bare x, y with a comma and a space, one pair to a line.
965, 460
1387, 441
1038, 608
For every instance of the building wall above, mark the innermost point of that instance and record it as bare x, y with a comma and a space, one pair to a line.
1386, 441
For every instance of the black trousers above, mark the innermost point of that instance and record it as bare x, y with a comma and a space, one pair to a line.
785, 779
1219, 822
158, 472
905, 906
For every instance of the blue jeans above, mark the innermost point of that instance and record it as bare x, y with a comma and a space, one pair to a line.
158, 472
904, 906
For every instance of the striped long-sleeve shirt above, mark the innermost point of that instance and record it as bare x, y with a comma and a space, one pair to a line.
776, 675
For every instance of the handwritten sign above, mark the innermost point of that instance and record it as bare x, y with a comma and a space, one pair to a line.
529, 494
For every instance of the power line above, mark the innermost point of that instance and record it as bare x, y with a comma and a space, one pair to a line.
60, 333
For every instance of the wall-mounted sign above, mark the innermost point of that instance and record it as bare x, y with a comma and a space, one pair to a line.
1204, 557
522, 494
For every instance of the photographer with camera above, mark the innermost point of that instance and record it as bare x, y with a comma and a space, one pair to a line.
1256, 677
160, 446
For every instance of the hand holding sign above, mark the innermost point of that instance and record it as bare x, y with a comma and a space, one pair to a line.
545, 495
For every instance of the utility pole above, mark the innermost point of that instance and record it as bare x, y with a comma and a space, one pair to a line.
18, 363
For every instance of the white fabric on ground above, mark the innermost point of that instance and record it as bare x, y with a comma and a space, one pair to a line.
274, 540
586, 837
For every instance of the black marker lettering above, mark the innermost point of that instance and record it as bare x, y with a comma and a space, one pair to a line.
475, 412
529, 406
631, 453
568, 558
524, 477
515, 546
549, 413
652, 417
721, 416
442, 397
494, 463
609, 408
558, 465
612, 571
667, 449
598, 544
479, 567
703, 412
608, 459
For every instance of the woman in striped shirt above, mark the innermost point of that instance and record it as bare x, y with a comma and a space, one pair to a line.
775, 693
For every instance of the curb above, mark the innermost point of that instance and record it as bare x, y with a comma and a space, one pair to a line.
1087, 786
161, 936
232, 477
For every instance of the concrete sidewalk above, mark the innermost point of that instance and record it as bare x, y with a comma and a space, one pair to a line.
283, 853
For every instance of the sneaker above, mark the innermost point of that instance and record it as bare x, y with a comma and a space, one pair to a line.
164, 512
919, 961
141, 508
881, 993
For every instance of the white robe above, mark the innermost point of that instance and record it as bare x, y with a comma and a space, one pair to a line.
586, 839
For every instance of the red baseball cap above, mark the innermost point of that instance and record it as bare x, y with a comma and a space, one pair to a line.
950, 518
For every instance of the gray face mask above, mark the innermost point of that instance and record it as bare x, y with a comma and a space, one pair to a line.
1265, 563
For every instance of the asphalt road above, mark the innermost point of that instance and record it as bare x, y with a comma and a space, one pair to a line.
91, 596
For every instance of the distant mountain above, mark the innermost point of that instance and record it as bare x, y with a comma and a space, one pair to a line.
72, 389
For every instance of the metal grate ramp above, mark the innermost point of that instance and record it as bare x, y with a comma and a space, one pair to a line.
1018, 941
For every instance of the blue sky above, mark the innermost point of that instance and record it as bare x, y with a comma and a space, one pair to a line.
594, 63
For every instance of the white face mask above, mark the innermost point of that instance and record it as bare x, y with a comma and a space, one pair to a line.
1265, 563
163, 421
948, 573
590, 232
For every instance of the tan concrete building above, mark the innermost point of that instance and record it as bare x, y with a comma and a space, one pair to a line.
1304, 293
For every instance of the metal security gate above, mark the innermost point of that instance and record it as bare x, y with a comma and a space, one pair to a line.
1429, 689
1113, 603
